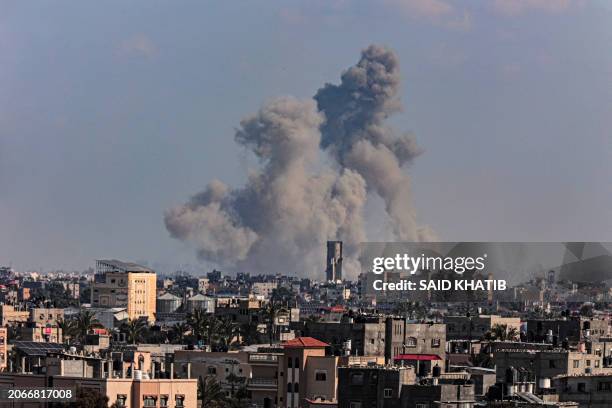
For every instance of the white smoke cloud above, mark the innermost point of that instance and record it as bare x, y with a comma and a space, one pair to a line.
289, 207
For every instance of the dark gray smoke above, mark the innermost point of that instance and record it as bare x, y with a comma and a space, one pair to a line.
356, 135
279, 221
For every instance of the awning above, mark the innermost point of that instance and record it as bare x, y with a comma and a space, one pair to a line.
417, 357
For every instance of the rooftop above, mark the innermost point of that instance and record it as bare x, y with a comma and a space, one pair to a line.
124, 266
305, 342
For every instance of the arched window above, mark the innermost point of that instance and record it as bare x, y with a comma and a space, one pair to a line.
289, 362
289, 387
297, 363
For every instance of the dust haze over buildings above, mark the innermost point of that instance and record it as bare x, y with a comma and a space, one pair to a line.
280, 220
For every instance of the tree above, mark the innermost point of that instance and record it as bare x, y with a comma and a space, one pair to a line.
270, 313
198, 321
69, 329
134, 330
210, 393
501, 332
248, 333
482, 360
178, 332
228, 331
85, 321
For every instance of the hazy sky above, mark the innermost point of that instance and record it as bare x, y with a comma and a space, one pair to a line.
112, 112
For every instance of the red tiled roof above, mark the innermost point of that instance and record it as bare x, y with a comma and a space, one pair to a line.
418, 357
304, 342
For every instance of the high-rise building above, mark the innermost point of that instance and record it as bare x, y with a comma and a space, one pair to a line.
125, 284
333, 265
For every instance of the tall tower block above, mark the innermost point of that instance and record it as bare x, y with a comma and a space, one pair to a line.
333, 268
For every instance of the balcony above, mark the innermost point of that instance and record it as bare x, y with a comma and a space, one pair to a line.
263, 359
265, 384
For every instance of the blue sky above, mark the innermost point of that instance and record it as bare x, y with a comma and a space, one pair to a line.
111, 112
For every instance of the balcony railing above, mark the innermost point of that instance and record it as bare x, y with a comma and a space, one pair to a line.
262, 383
263, 358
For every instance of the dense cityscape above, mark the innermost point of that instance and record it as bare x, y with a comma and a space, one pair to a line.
121, 335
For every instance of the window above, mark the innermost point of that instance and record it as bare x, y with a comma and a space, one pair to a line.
576, 363
435, 342
388, 392
290, 387
290, 362
411, 342
297, 363
588, 363
320, 375
596, 363
179, 401
296, 387
121, 400
163, 401
357, 379
149, 401
212, 370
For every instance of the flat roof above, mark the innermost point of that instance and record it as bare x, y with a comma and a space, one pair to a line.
124, 266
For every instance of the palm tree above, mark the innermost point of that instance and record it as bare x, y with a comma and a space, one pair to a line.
178, 331
228, 331
248, 333
69, 329
85, 321
270, 313
501, 332
198, 321
213, 331
134, 330
210, 393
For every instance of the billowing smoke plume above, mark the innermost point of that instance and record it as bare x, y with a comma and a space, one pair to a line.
279, 221
357, 137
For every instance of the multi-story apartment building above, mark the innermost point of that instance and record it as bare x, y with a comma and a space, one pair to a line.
372, 386
263, 384
264, 289
543, 365
305, 373
9, 316
574, 329
230, 370
588, 390
376, 336
125, 284
122, 392
475, 327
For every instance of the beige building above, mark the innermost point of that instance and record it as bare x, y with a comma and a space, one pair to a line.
125, 284
124, 392
306, 373
9, 316
3, 348
230, 370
